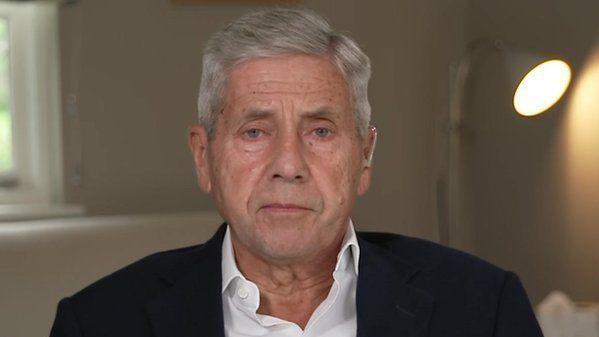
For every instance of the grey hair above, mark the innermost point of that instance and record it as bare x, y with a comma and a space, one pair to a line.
274, 32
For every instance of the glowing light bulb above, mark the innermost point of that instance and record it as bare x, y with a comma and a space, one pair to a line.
542, 87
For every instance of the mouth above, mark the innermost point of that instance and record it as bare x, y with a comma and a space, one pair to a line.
284, 208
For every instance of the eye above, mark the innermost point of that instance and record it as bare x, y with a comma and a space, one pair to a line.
254, 133
322, 132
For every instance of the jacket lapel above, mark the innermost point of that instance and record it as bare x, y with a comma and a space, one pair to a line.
387, 305
191, 307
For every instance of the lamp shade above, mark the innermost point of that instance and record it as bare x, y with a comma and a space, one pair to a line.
538, 82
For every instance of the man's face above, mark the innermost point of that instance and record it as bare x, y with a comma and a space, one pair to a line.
286, 163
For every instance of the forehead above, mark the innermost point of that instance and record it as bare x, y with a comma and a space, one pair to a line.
312, 77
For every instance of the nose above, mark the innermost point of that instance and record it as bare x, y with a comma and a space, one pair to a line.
289, 163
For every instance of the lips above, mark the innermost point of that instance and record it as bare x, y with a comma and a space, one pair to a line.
277, 207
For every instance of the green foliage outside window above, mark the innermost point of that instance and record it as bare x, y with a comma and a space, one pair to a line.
6, 160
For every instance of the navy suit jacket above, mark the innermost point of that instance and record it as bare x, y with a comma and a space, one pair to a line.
406, 287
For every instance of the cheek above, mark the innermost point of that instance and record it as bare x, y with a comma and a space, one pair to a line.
335, 175
235, 162
238, 171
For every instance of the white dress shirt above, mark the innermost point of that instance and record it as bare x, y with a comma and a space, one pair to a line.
334, 317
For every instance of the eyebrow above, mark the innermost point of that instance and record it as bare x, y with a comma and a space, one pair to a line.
254, 114
319, 113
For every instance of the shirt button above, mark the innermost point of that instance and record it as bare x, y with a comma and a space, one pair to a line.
243, 293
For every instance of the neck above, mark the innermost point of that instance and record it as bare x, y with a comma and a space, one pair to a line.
290, 290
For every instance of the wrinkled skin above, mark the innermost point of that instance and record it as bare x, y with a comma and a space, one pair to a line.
286, 163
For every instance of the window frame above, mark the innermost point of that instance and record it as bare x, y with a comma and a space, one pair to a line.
37, 176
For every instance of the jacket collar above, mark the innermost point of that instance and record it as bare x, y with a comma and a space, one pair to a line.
192, 305
387, 305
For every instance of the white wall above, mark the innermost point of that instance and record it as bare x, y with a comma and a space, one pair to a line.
136, 65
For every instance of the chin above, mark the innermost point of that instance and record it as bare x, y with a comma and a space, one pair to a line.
277, 253
282, 247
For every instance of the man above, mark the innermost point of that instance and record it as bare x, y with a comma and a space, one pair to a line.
284, 147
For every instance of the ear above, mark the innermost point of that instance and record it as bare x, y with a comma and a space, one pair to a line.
198, 144
369, 142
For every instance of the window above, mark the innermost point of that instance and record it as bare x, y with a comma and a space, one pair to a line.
6, 155
30, 123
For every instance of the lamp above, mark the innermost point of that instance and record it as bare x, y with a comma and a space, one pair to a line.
542, 87
537, 82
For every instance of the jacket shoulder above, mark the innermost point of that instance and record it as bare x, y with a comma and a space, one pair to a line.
142, 272
135, 283
471, 295
120, 298
432, 257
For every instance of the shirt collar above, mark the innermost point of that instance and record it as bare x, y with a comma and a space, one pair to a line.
349, 246
229, 266
230, 271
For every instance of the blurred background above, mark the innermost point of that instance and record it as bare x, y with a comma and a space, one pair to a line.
97, 95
